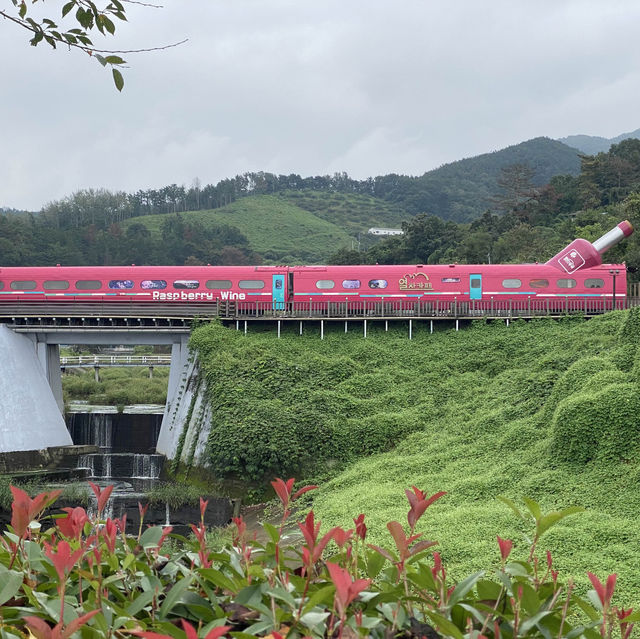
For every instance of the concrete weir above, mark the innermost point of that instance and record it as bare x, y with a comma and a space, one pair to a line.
30, 416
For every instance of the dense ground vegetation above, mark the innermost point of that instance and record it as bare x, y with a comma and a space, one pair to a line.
117, 386
81, 574
545, 410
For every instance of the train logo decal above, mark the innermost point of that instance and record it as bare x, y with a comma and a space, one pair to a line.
415, 281
571, 261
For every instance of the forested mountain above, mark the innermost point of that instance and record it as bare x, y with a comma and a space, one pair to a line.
538, 221
593, 144
463, 190
460, 191
514, 205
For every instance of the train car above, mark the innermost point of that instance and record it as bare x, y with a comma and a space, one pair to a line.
181, 284
576, 272
451, 282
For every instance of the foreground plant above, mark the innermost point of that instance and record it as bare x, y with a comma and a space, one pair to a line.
83, 576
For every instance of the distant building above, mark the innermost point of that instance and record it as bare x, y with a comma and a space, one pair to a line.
379, 231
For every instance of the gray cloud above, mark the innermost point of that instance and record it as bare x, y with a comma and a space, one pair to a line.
362, 86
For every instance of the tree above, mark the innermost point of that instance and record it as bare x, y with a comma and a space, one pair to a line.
78, 21
516, 187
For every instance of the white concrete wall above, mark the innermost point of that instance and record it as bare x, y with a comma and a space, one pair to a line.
30, 417
187, 411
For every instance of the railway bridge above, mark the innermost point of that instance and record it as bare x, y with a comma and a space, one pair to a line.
31, 334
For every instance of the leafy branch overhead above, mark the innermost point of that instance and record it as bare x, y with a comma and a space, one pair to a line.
78, 22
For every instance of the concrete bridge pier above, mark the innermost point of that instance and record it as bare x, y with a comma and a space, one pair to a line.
179, 374
30, 415
49, 358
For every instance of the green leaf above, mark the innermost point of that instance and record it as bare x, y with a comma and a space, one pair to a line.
530, 623
444, 625
464, 587
375, 562
67, 7
588, 610
533, 507
518, 569
23, 9
151, 536
312, 619
173, 597
10, 582
260, 627
552, 518
108, 25
511, 505
118, 79
84, 18
218, 579
283, 595
321, 596
114, 59
272, 531
142, 600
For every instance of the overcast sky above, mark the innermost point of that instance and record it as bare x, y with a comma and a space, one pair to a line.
311, 87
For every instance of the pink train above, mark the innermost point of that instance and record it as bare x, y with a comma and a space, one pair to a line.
576, 273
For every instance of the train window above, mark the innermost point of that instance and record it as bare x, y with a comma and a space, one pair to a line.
511, 283
450, 280
378, 284
566, 283
251, 284
88, 285
350, 283
1, 285
218, 284
23, 285
181, 284
324, 284
119, 284
153, 284
475, 282
56, 285
594, 282
538, 283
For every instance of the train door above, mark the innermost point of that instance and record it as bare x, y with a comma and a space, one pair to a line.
277, 293
475, 286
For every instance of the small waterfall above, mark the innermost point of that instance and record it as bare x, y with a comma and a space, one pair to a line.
126, 441
88, 461
146, 466
103, 431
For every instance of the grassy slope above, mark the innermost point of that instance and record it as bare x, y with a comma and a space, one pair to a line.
275, 228
489, 438
474, 402
352, 212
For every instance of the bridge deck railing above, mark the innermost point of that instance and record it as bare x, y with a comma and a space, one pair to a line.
357, 309
148, 315
115, 360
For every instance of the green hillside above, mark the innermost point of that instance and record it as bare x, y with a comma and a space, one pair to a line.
545, 410
350, 211
461, 191
278, 230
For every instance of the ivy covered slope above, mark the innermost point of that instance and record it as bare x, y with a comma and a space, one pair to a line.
546, 410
